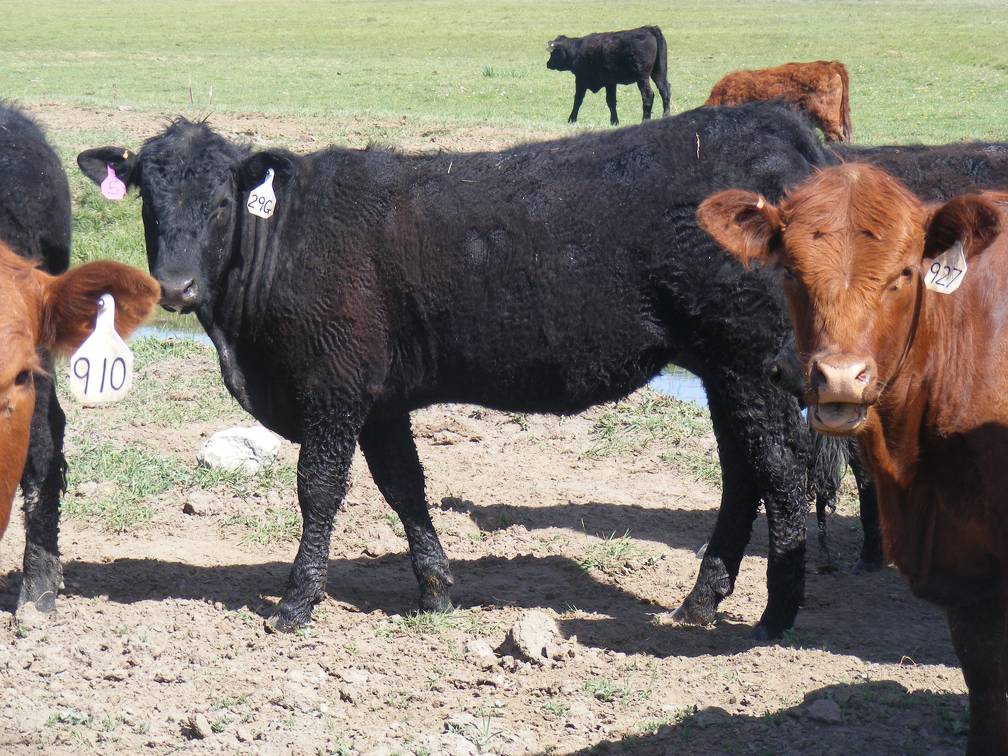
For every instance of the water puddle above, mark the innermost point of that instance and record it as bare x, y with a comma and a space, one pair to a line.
681, 385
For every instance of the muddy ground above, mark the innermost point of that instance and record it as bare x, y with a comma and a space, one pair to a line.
157, 643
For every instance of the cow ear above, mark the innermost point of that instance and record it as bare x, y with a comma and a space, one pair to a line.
95, 164
971, 219
743, 223
252, 170
70, 301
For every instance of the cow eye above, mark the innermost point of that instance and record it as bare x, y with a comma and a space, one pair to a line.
902, 279
23, 378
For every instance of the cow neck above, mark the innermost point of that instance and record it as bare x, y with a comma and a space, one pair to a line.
249, 279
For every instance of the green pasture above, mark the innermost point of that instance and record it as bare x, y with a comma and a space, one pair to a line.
920, 71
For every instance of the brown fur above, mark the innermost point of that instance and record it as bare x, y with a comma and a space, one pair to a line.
821, 89
56, 312
856, 243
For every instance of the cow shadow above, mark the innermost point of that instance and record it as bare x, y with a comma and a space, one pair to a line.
677, 528
873, 717
601, 614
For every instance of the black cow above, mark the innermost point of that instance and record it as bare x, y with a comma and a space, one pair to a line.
937, 173
35, 222
611, 58
544, 278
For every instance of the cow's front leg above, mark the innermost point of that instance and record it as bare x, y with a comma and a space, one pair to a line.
647, 97
42, 483
978, 634
579, 94
322, 474
391, 455
610, 100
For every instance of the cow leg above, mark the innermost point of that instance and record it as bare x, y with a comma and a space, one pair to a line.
663, 89
871, 546
322, 476
739, 501
978, 634
647, 97
762, 444
610, 100
391, 455
42, 483
579, 93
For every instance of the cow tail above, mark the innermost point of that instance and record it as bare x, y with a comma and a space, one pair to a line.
848, 133
662, 56
826, 470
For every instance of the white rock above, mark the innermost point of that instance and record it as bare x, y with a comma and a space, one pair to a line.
530, 636
245, 449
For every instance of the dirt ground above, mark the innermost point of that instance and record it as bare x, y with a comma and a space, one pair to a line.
157, 643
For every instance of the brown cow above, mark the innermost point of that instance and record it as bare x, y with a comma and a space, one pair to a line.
919, 376
58, 313
820, 89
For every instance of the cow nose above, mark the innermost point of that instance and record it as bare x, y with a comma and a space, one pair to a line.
841, 378
179, 295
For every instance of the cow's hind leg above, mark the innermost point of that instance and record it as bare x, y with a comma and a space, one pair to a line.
42, 483
647, 97
610, 100
871, 547
391, 455
658, 77
323, 469
978, 634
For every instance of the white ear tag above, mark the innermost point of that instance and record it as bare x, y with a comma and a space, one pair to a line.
947, 271
262, 200
101, 370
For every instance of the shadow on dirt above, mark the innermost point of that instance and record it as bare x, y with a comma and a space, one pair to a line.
827, 721
600, 613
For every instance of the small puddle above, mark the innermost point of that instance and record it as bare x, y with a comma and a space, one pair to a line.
679, 384
672, 381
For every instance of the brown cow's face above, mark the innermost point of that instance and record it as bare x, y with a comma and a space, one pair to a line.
55, 312
852, 243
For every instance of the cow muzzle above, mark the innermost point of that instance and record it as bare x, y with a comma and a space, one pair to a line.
179, 295
841, 388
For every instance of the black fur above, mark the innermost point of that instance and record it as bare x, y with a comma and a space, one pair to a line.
937, 173
35, 222
610, 58
544, 278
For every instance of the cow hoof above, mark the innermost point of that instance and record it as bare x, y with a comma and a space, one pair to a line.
690, 614
862, 567
280, 624
436, 601
763, 632
44, 603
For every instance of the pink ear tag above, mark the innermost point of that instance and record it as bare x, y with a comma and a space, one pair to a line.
112, 188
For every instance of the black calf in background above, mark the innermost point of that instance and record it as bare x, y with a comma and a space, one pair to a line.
544, 278
610, 58
35, 222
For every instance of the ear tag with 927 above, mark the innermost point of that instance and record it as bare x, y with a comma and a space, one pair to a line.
947, 270
262, 200
101, 370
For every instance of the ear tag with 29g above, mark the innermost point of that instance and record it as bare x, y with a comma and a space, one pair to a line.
947, 270
262, 200
101, 370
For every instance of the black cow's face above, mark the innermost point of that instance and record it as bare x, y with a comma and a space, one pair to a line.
188, 184
561, 54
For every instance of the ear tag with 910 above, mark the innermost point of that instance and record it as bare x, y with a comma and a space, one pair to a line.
262, 200
101, 370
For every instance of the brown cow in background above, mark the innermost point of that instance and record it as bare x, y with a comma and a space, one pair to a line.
820, 89
899, 315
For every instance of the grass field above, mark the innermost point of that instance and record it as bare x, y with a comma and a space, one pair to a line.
929, 72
